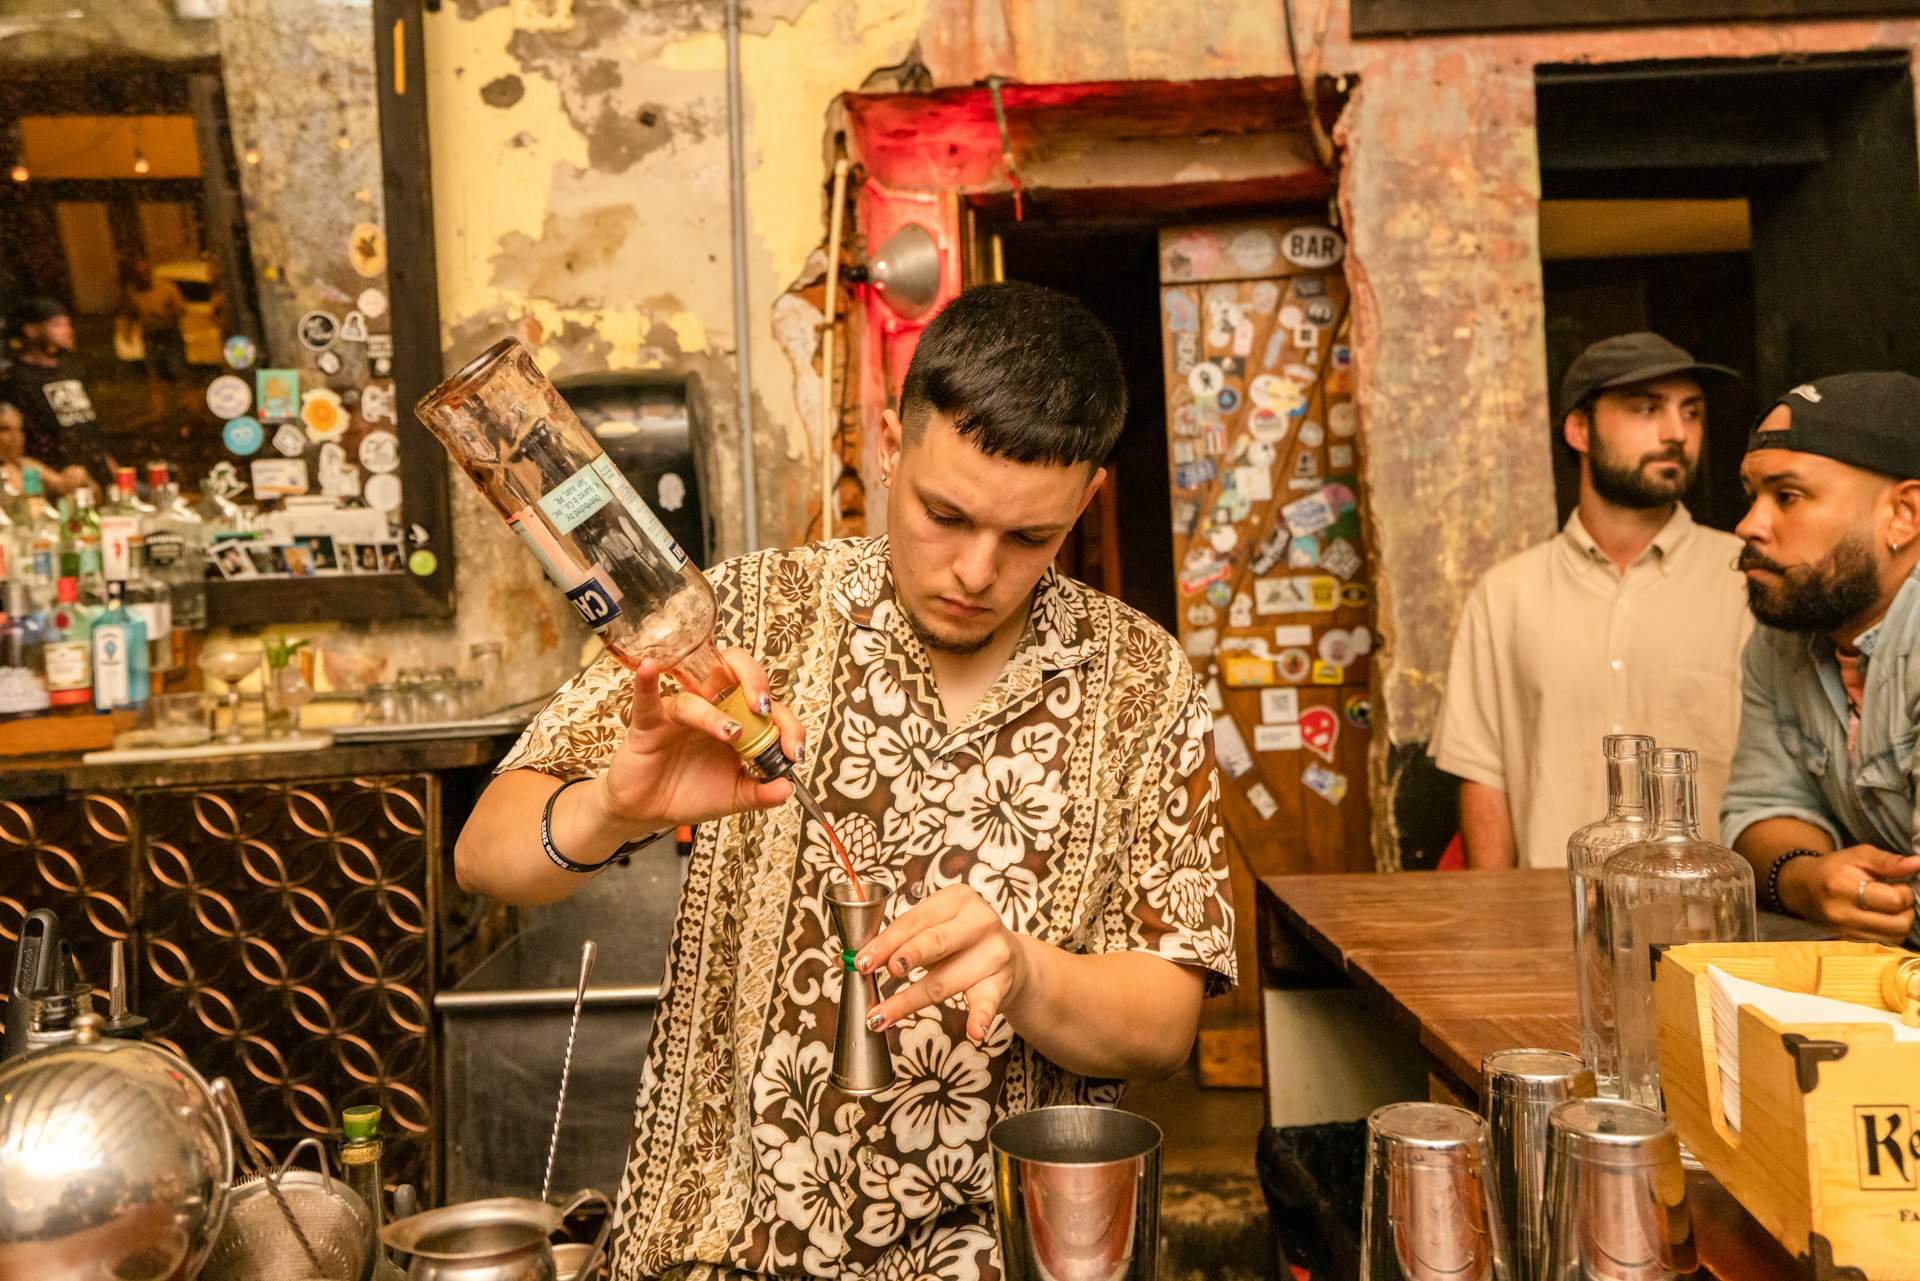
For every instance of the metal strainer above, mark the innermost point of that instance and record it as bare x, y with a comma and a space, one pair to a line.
257, 1245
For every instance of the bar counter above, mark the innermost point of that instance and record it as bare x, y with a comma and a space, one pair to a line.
284, 914
1462, 964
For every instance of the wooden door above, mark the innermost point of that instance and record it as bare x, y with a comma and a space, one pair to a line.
1274, 573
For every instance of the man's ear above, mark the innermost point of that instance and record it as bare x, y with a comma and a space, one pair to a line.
1093, 487
1578, 430
1903, 522
892, 440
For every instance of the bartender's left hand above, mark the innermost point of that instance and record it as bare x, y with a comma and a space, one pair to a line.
963, 946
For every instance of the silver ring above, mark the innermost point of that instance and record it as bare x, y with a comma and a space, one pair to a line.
1860, 895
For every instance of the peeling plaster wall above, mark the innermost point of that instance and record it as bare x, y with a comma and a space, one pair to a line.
602, 233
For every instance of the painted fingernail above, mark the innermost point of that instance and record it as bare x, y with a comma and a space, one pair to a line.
800, 753
876, 1021
863, 963
730, 728
765, 705
901, 965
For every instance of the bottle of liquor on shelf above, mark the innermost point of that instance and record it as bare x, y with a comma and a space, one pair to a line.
123, 520
1628, 821
1674, 887
23, 656
40, 534
177, 549
360, 1153
69, 649
80, 544
121, 677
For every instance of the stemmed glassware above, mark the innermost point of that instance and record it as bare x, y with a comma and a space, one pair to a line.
232, 664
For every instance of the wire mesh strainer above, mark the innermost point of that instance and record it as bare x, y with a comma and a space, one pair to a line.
256, 1244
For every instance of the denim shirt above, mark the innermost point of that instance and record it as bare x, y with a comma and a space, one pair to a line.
1792, 759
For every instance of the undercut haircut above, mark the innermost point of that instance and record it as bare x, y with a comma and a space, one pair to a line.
1024, 373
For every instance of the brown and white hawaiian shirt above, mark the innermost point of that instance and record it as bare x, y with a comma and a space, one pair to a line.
1080, 799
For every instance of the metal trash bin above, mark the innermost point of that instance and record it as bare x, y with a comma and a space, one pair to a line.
504, 1034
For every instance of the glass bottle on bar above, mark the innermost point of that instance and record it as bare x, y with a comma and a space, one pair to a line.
360, 1153
1675, 887
520, 443
1628, 821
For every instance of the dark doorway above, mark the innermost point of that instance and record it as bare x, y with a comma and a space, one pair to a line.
1822, 151
1113, 267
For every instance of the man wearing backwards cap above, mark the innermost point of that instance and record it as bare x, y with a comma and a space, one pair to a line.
1822, 796
1629, 621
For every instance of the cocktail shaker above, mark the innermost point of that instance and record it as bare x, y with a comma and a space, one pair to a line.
1519, 1090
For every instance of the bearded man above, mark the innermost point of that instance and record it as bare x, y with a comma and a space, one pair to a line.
1629, 621
1822, 796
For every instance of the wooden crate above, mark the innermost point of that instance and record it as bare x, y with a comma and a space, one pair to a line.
1826, 1158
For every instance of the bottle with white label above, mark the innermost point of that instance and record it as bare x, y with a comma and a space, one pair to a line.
40, 539
23, 657
176, 546
509, 429
123, 521
120, 670
69, 649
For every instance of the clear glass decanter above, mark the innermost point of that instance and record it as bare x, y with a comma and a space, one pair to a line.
1675, 887
1629, 821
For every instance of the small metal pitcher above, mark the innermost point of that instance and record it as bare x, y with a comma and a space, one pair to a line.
498, 1239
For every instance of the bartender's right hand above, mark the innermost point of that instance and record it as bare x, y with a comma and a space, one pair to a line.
1832, 888
678, 765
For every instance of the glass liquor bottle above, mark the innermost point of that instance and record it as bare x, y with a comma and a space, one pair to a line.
121, 675
360, 1152
123, 526
23, 657
508, 428
1675, 887
69, 649
1627, 822
80, 541
177, 549
39, 528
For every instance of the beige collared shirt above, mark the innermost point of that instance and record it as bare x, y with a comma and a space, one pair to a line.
1558, 648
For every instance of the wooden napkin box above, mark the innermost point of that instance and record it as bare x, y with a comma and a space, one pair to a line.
1826, 1158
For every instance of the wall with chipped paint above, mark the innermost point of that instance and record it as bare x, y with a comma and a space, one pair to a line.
581, 173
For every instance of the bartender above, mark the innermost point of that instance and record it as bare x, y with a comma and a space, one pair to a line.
1821, 801
1026, 762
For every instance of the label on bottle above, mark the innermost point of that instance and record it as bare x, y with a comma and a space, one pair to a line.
575, 498
21, 691
597, 599
117, 537
43, 563
156, 615
642, 514
67, 665
165, 548
111, 679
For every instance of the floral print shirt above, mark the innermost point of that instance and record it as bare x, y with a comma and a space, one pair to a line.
1079, 799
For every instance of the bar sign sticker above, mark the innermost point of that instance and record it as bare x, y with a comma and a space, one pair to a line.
574, 499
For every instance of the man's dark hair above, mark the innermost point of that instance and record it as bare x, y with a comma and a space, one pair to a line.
1025, 373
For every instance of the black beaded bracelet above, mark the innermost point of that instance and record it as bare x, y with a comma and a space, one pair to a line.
1773, 874
560, 860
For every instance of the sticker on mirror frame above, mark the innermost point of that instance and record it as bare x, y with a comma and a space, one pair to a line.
317, 330
229, 396
367, 249
239, 351
243, 435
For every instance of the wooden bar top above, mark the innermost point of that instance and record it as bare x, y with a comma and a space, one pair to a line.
1475, 962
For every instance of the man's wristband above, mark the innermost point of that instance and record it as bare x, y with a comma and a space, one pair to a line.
1773, 875
560, 860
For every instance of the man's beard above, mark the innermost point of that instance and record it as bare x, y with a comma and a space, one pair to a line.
1627, 484
940, 644
1814, 598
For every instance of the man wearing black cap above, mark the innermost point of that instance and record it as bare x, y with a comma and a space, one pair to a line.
1822, 795
1629, 621
62, 428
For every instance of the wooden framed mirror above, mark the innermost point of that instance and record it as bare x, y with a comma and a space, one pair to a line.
235, 213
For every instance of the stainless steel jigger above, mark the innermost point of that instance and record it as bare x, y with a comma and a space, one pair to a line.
862, 1059
1519, 1090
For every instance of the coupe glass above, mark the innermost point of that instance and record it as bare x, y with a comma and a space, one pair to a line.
232, 664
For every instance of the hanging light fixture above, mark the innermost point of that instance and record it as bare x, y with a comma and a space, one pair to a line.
20, 173
140, 164
343, 142
251, 155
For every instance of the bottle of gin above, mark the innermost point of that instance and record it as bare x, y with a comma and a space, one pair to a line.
1628, 821
121, 674
69, 649
1675, 887
360, 1152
